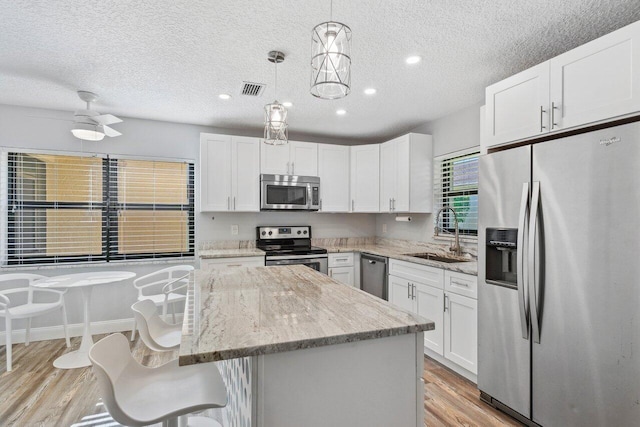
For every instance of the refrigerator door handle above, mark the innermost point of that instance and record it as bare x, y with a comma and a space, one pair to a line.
533, 273
523, 301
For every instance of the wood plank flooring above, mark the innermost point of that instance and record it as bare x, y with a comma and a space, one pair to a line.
37, 394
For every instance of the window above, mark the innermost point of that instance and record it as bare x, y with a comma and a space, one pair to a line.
78, 208
456, 186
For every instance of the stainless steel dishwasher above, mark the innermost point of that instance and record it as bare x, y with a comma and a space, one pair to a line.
373, 275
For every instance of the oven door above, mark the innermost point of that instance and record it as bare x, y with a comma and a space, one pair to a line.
277, 195
320, 264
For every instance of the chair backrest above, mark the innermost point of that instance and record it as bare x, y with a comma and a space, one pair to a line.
161, 277
110, 357
150, 325
24, 280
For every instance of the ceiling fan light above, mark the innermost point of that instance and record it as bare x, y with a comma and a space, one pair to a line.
88, 132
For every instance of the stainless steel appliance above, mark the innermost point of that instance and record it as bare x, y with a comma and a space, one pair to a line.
558, 274
373, 275
289, 192
291, 245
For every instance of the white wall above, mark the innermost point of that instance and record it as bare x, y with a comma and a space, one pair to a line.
454, 132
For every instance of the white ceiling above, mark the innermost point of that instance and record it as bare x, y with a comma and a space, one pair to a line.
169, 60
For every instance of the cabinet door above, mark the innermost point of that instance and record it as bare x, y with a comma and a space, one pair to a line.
245, 179
343, 275
274, 159
304, 158
400, 293
429, 304
461, 331
403, 174
598, 80
388, 171
333, 170
215, 173
518, 106
365, 178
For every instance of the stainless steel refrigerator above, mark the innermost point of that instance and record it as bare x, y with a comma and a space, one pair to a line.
559, 279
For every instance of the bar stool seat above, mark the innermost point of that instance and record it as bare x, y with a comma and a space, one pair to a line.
157, 334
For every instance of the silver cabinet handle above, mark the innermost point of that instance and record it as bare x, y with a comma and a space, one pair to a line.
408, 290
288, 168
389, 204
228, 203
445, 301
353, 205
293, 168
542, 127
534, 274
234, 203
393, 204
455, 282
234, 265
341, 259
523, 301
413, 291
320, 207
553, 115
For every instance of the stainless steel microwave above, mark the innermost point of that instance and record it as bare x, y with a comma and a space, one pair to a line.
289, 192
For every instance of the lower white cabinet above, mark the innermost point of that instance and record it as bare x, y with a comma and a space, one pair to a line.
342, 268
208, 263
447, 298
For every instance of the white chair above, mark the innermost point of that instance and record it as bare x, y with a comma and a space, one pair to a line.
162, 288
157, 334
136, 395
30, 308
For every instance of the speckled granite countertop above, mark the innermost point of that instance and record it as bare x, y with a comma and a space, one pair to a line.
229, 253
251, 311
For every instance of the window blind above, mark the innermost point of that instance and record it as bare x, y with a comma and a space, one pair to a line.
84, 209
456, 186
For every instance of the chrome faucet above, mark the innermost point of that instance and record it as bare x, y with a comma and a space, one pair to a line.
455, 247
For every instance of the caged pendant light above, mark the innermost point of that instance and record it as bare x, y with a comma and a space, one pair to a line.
276, 129
331, 59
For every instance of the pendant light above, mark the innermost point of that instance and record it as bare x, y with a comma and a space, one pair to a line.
331, 59
276, 130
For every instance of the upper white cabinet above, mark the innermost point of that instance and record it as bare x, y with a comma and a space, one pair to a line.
517, 107
334, 170
365, 178
594, 82
229, 173
406, 176
294, 158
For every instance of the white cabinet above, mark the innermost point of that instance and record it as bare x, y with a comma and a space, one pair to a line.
223, 263
334, 171
342, 268
294, 158
365, 178
447, 298
406, 175
229, 173
594, 82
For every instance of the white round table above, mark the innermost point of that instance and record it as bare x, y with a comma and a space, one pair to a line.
85, 281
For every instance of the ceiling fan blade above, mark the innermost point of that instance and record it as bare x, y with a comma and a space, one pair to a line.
106, 119
110, 131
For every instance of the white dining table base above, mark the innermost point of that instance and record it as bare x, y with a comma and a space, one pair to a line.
79, 358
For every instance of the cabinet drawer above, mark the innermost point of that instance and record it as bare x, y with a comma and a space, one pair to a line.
461, 284
341, 260
257, 261
419, 273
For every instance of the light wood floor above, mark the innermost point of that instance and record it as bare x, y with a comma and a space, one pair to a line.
37, 394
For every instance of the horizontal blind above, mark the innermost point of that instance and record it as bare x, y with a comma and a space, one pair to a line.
56, 210
151, 209
456, 186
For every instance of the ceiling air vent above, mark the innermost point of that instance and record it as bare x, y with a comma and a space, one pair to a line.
252, 89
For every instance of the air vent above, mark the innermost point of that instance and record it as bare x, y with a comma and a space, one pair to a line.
252, 89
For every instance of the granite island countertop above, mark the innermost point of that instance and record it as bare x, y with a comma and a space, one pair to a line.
252, 311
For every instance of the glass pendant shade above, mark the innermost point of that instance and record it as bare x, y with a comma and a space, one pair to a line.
331, 60
276, 130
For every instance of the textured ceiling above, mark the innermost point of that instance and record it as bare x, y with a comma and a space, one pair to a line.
169, 60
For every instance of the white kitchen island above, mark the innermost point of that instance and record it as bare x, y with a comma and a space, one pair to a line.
297, 348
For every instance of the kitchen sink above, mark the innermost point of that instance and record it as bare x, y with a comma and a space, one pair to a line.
434, 257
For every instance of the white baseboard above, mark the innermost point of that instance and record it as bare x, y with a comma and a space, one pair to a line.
75, 330
453, 366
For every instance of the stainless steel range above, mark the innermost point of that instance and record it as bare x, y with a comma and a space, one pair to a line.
291, 245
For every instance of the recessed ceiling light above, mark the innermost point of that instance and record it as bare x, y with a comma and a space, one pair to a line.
341, 112
288, 104
224, 96
413, 59
370, 91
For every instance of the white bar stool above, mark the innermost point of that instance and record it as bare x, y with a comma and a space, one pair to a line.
157, 334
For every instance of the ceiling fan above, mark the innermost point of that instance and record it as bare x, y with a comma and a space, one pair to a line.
89, 125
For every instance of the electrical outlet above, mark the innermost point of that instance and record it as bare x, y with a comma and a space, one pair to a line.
384, 228
234, 229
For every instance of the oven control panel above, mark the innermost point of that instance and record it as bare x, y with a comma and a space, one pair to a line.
301, 232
